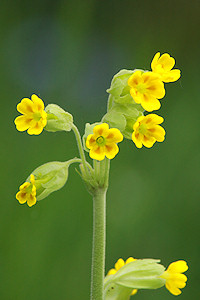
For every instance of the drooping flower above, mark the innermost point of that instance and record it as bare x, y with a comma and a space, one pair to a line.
147, 131
33, 118
146, 88
163, 65
175, 280
103, 142
118, 265
27, 192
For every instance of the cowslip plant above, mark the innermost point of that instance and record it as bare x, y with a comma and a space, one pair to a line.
132, 95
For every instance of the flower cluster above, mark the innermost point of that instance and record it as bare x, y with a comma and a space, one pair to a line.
132, 92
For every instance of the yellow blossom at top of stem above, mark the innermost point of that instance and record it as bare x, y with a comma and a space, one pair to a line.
118, 265
163, 66
175, 280
103, 142
27, 192
147, 131
146, 88
33, 118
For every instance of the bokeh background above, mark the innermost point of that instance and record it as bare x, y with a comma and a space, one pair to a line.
67, 52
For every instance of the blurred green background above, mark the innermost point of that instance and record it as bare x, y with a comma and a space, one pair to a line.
67, 52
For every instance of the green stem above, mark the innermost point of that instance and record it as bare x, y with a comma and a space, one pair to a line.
98, 250
80, 148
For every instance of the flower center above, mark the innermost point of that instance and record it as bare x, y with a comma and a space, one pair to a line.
141, 88
101, 141
37, 116
142, 129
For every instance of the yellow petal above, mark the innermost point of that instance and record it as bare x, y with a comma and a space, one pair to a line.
111, 150
101, 129
119, 264
114, 135
90, 141
150, 103
179, 266
136, 138
173, 289
21, 197
112, 272
155, 60
166, 61
157, 132
153, 119
22, 123
171, 76
156, 88
97, 153
25, 106
36, 129
130, 259
31, 200
134, 292
148, 141
38, 103
135, 78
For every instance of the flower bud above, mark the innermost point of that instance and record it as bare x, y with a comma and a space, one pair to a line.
58, 119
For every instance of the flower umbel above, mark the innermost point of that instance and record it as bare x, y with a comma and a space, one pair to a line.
175, 280
146, 88
147, 131
33, 118
118, 265
163, 66
27, 192
103, 142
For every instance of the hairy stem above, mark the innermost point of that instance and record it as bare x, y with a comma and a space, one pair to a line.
98, 251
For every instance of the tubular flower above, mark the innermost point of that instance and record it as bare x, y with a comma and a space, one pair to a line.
147, 131
119, 264
175, 280
146, 88
103, 142
163, 66
33, 118
27, 192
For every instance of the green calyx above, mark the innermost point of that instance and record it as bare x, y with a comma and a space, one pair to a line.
51, 177
58, 119
139, 274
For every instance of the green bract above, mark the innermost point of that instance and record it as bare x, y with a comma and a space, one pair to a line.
139, 274
50, 177
58, 119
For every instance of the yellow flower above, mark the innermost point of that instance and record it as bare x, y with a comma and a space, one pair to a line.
119, 264
33, 118
103, 142
163, 66
27, 192
147, 131
175, 280
146, 88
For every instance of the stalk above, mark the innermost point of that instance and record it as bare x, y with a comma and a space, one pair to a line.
98, 249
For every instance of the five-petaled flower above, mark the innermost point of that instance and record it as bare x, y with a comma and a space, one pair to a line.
163, 66
27, 192
103, 142
175, 280
146, 88
118, 265
33, 118
147, 131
